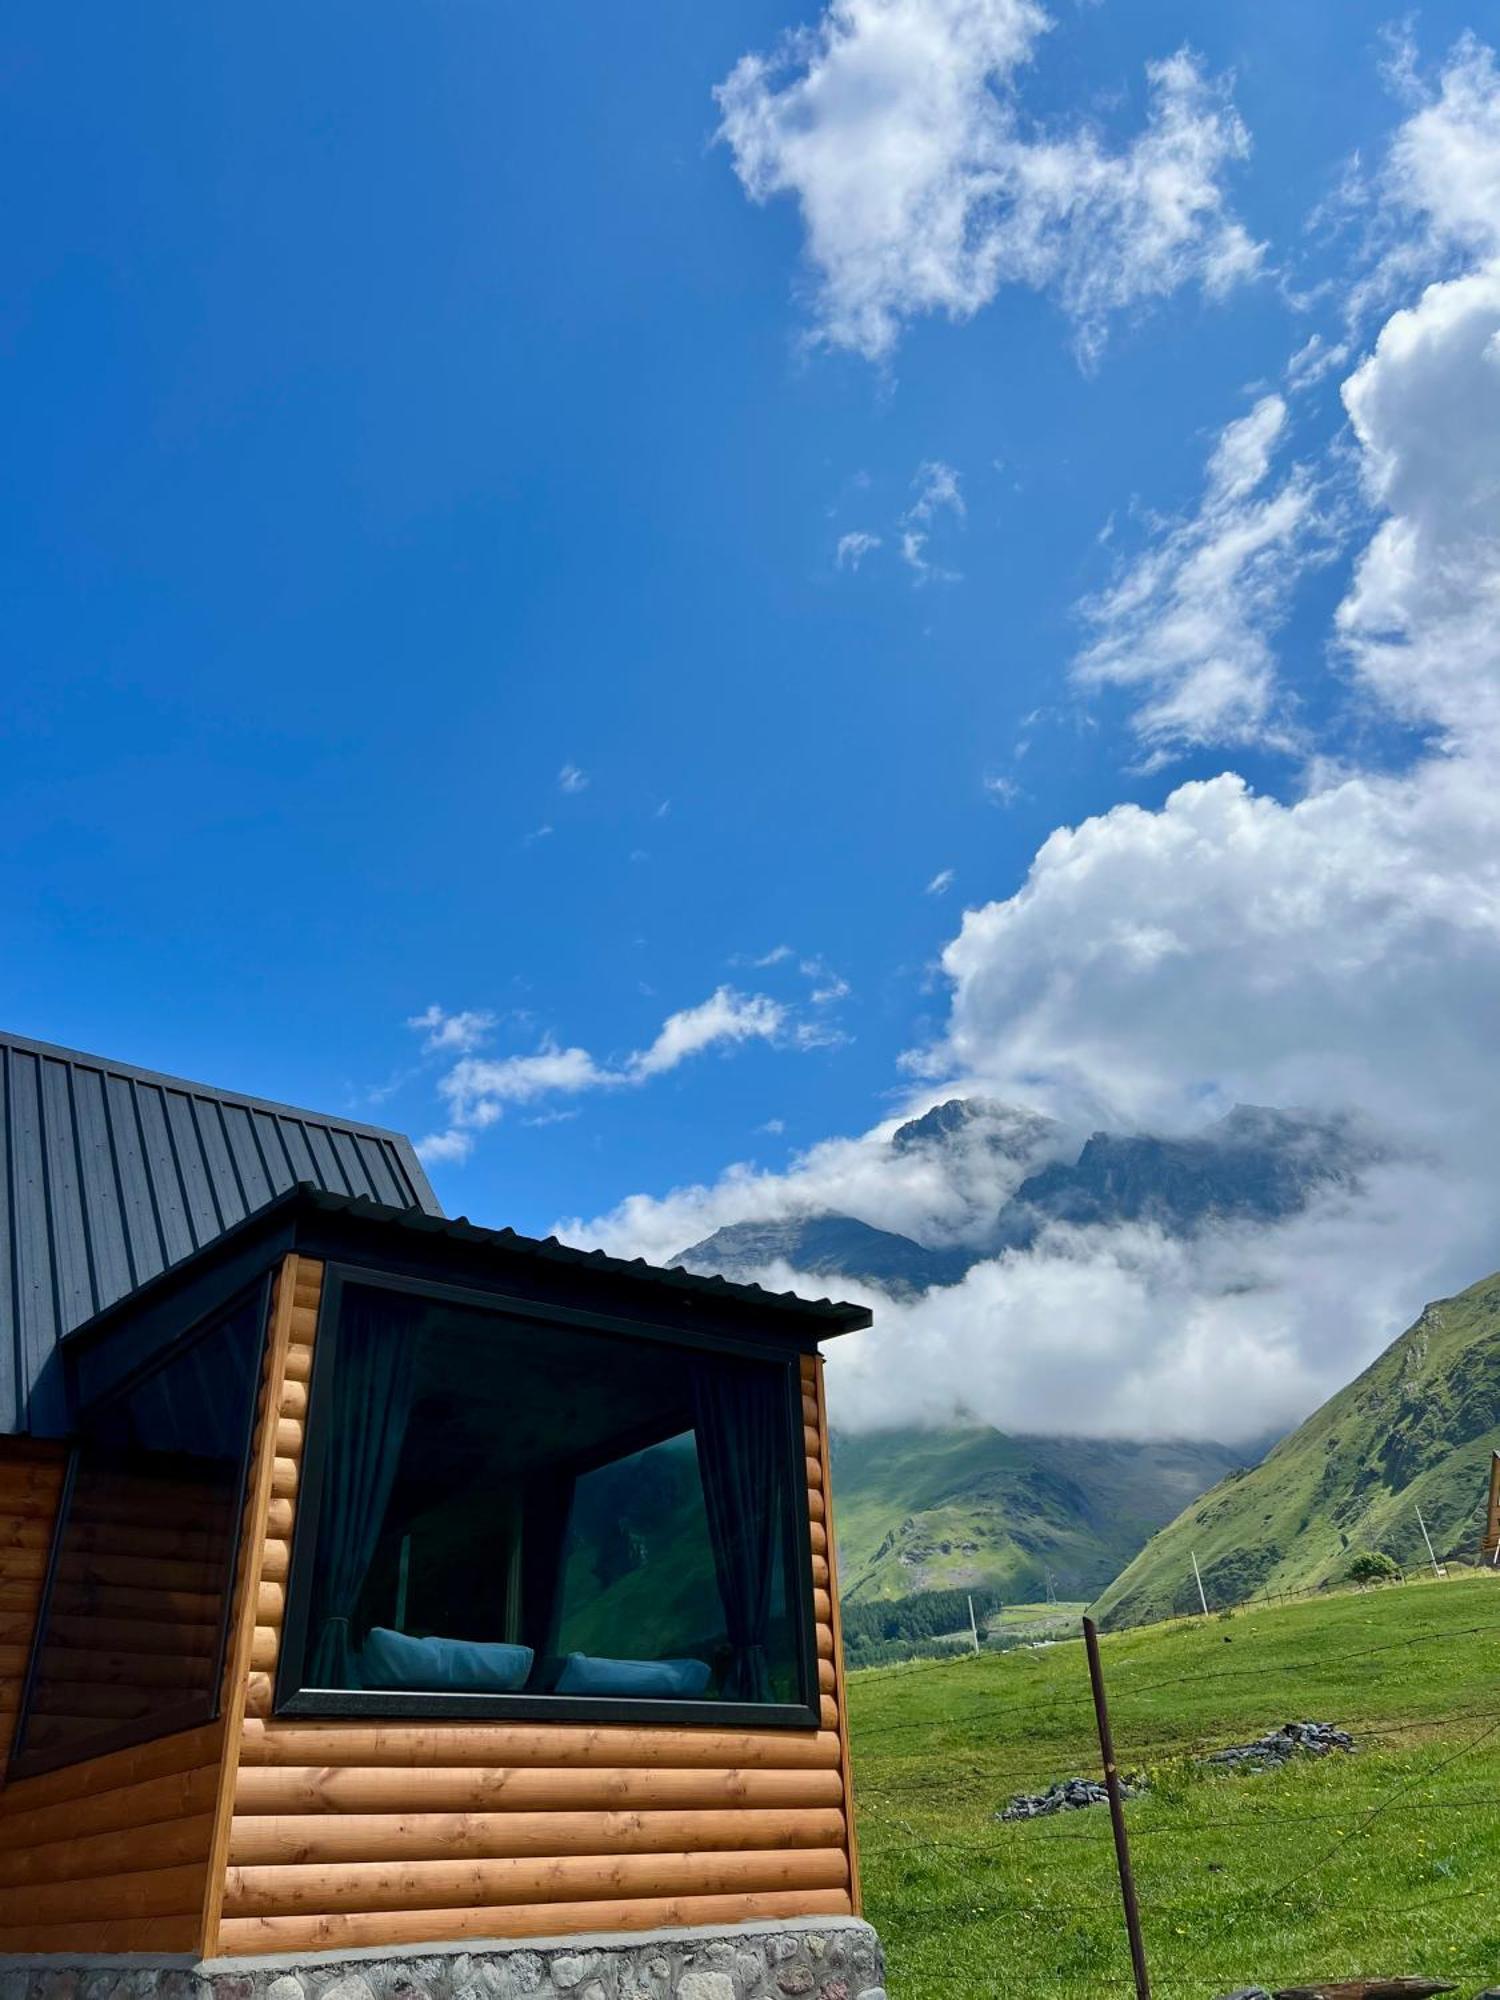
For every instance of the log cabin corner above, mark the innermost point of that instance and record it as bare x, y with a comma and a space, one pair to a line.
373, 1583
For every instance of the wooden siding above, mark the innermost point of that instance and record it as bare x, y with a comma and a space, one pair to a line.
125, 1852
110, 1854
341, 1834
31, 1477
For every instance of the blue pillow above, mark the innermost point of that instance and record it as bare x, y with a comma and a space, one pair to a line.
658, 1679
441, 1666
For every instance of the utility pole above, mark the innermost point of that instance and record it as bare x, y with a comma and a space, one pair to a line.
1437, 1567
1198, 1579
973, 1626
1052, 1580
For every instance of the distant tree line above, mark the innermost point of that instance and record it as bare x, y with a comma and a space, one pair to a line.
876, 1634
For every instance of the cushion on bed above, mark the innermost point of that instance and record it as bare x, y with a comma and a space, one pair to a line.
447, 1666
645, 1679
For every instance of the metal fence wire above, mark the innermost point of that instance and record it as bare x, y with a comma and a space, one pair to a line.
993, 1860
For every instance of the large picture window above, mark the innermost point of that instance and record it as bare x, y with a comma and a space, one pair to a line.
512, 1514
130, 1639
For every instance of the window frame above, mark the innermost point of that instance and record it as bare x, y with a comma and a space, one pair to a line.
293, 1697
203, 1708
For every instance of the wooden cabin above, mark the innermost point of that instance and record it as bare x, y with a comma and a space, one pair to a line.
369, 1578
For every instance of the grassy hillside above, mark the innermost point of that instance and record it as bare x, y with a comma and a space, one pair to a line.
1416, 1429
1379, 1863
964, 1509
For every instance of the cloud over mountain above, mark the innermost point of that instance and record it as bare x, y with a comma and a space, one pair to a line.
1335, 949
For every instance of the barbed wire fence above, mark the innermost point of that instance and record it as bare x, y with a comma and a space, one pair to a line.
992, 1858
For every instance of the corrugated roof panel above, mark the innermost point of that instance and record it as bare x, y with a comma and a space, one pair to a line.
101, 1187
304, 1168
353, 1166
36, 1329
72, 1263
249, 1166
187, 1147
108, 1174
272, 1151
328, 1172
137, 1205
166, 1183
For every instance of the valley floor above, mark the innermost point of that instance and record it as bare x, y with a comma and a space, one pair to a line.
1384, 1862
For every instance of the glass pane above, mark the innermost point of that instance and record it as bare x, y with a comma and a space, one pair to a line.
508, 1507
130, 1639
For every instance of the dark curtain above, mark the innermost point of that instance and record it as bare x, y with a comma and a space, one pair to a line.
547, 1516
366, 1419
740, 1421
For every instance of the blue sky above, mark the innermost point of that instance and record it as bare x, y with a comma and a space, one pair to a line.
407, 406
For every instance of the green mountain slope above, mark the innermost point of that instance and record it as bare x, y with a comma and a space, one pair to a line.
1416, 1429
955, 1509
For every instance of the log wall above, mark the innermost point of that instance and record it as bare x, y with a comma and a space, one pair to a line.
335, 1835
125, 1852
257, 1834
31, 1477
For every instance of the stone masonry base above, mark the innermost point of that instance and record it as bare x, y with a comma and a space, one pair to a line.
822, 1958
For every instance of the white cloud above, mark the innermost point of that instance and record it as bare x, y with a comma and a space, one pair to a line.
853, 548
1188, 626
936, 486
726, 1016
571, 779
1445, 163
451, 1033
445, 1148
1314, 359
1338, 949
1421, 621
941, 883
914, 554
477, 1090
896, 125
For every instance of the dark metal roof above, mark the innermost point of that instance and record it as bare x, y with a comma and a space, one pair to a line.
110, 1175
330, 1225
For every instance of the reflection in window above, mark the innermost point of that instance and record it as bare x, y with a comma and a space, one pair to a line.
130, 1638
509, 1507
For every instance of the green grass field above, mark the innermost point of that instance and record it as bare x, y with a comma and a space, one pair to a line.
1384, 1862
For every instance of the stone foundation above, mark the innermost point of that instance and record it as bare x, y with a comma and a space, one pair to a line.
832, 1958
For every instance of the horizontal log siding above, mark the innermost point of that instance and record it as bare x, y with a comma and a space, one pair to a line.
127, 1852
31, 1477
346, 1834
109, 1854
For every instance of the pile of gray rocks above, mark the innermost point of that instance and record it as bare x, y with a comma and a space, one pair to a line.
1072, 1795
1279, 1746
1266, 1753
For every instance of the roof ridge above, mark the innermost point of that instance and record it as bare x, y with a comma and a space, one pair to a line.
107, 1065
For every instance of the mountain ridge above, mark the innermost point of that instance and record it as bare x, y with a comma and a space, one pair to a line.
1415, 1428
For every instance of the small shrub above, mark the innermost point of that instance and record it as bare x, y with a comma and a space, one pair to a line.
1371, 1566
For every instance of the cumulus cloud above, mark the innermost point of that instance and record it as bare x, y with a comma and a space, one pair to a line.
1420, 623
1333, 950
571, 779
1188, 627
477, 1090
442, 1032
897, 127
853, 548
941, 883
